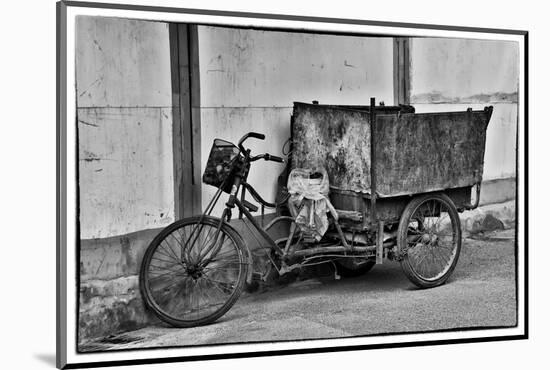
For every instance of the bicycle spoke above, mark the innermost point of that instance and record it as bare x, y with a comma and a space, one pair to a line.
181, 290
178, 243
433, 249
168, 268
209, 237
206, 291
159, 251
164, 274
217, 286
166, 289
178, 299
165, 261
210, 248
442, 258
220, 253
183, 236
174, 250
223, 264
169, 249
223, 268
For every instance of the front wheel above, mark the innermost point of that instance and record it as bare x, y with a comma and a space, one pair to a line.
176, 283
429, 238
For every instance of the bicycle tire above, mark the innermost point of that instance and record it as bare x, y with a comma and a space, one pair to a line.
185, 279
428, 240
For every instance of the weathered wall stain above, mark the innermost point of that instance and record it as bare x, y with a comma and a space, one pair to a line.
97, 44
96, 82
284, 77
128, 258
88, 123
251, 86
460, 68
101, 262
437, 97
133, 63
124, 107
90, 157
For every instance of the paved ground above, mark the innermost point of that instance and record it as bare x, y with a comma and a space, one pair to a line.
481, 292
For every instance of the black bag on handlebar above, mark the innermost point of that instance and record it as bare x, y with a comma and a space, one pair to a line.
221, 165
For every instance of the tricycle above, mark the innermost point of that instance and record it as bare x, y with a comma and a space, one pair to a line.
398, 181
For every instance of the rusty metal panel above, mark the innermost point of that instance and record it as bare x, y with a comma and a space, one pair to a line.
390, 209
419, 153
416, 153
335, 138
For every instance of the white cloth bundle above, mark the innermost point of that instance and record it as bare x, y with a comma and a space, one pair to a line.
309, 202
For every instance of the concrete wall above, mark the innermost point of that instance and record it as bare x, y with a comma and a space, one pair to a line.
454, 74
124, 107
249, 80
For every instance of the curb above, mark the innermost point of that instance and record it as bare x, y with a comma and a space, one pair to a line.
490, 217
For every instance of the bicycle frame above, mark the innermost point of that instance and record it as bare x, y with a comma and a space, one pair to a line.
240, 184
311, 253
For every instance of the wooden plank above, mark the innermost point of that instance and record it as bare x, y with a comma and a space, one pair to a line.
186, 117
406, 77
406, 93
396, 71
185, 109
380, 243
177, 135
193, 37
401, 68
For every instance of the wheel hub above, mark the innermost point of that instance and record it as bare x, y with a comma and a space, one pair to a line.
194, 271
429, 239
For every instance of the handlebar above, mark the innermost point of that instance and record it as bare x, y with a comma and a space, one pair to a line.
250, 134
256, 135
266, 156
274, 158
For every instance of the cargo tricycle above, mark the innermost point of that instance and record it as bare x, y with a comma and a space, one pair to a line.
398, 181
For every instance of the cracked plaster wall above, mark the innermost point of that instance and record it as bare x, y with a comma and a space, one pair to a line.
124, 108
250, 79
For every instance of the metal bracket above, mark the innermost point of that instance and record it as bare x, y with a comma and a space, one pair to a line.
380, 243
476, 203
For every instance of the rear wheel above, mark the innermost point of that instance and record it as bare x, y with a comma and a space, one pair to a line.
176, 283
430, 238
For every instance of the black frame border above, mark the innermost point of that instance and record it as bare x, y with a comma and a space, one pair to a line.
61, 175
